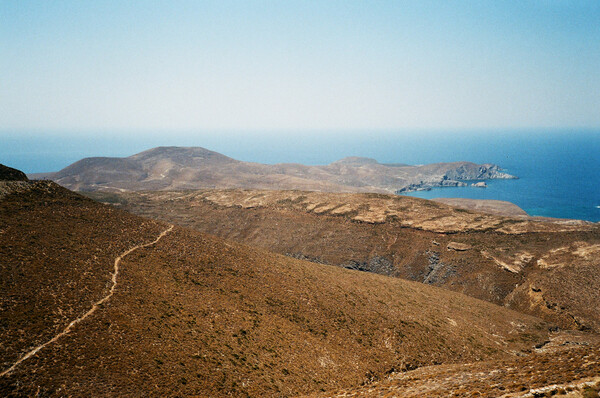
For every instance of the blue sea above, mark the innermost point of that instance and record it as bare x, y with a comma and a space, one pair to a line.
558, 170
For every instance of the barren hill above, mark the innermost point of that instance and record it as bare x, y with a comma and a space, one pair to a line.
548, 268
191, 168
10, 174
99, 302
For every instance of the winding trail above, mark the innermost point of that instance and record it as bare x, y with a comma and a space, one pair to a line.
96, 305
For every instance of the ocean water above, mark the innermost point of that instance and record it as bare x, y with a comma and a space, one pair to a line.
558, 170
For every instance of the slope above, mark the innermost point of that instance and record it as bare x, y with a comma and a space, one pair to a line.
192, 314
547, 268
566, 367
10, 174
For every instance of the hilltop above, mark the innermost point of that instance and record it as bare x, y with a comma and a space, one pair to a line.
10, 174
179, 312
165, 168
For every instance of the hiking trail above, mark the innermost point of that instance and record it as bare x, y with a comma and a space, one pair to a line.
96, 305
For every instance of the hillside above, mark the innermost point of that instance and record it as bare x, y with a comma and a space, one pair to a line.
192, 168
10, 174
121, 305
548, 268
565, 367
497, 207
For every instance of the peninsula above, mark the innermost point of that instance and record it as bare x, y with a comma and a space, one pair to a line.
168, 168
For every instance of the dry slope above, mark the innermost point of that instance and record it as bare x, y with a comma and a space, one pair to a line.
566, 367
196, 315
545, 268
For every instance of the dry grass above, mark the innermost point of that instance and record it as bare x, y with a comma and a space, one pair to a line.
571, 371
406, 237
197, 315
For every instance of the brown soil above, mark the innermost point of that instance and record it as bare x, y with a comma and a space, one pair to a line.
10, 174
497, 207
196, 315
544, 268
571, 369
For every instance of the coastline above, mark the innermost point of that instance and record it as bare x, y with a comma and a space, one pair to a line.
460, 178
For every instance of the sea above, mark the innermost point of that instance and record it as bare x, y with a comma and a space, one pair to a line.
558, 170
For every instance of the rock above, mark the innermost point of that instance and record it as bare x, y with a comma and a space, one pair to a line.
428, 185
438, 272
481, 172
10, 174
452, 183
480, 184
377, 264
459, 247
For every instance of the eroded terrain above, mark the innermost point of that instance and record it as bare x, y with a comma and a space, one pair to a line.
193, 314
543, 267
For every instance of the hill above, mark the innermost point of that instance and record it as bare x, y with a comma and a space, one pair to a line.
191, 168
10, 174
547, 268
98, 302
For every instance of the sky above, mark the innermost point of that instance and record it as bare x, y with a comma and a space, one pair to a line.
293, 65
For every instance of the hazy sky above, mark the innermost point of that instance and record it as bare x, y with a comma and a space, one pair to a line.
90, 65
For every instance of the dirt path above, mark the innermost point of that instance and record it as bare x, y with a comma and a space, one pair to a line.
96, 305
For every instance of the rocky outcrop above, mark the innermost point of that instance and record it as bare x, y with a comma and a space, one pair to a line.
486, 171
428, 185
459, 247
377, 264
456, 176
10, 174
437, 272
